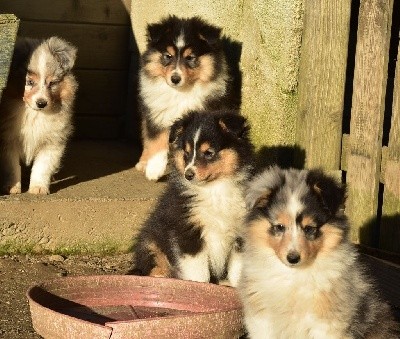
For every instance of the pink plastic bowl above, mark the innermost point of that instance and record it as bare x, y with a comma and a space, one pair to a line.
134, 307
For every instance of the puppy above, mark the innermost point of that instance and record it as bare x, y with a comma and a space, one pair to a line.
36, 112
194, 232
183, 69
301, 277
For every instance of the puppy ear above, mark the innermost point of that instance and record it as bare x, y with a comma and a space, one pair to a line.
159, 29
262, 200
176, 131
154, 32
63, 51
209, 33
235, 125
331, 193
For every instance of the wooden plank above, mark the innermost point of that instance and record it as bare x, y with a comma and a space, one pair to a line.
77, 11
321, 82
101, 92
99, 46
390, 223
387, 276
369, 86
98, 127
8, 33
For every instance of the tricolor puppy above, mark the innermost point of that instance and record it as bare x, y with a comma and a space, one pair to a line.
194, 232
183, 69
36, 112
301, 277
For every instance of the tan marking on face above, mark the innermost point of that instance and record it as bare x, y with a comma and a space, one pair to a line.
31, 90
307, 221
224, 167
206, 68
171, 50
188, 148
331, 238
204, 72
204, 147
187, 52
179, 161
153, 67
162, 265
258, 233
285, 219
282, 243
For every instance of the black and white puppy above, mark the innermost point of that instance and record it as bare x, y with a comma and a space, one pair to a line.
194, 232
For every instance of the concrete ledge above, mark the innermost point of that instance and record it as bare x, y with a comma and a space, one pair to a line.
98, 203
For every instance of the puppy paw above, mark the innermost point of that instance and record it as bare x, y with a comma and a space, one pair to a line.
141, 166
39, 190
225, 282
156, 166
12, 189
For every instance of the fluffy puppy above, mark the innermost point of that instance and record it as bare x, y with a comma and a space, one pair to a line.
301, 276
183, 69
36, 112
194, 231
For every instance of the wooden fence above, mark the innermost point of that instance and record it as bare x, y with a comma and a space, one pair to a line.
354, 147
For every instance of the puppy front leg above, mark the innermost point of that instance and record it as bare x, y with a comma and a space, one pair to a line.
234, 267
44, 166
194, 267
157, 153
10, 170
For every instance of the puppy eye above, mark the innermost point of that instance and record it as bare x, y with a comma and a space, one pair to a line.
29, 82
54, 83
310, 230
190, 57
167, 57
278, 228
191, 61
209, 154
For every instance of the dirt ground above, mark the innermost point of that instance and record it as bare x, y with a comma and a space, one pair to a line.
19, 272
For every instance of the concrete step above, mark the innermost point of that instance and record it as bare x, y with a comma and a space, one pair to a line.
97, 203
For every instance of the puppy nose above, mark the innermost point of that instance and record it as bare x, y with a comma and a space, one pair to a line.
176, 79
189, 174
293, 257
41, 103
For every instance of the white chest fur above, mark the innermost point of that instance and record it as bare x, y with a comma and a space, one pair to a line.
39, 129
220, 208
166, 104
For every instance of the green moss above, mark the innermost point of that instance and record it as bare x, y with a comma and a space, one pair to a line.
13, 248
105, 248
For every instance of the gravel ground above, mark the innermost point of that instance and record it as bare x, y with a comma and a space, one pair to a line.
19, 272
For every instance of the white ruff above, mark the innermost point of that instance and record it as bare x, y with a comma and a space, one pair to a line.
219, 206
167, 104
37, 129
